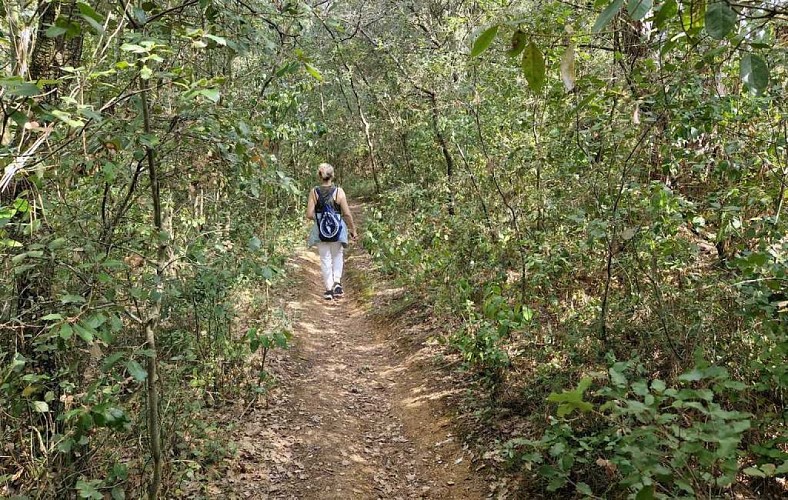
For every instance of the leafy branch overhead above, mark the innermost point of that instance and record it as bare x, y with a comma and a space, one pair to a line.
718, 20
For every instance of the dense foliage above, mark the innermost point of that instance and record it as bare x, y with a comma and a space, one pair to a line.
590, 193
145, 205
594, 193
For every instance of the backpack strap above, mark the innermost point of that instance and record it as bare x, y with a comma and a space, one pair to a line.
323, 200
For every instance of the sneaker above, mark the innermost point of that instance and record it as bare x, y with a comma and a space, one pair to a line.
338, 292
328, 295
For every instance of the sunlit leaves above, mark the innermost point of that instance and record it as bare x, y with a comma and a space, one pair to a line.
483, 42
754, 73
533, 67
40, 406
607, 15
67, 118
570, 401
693, 14
720, 20
313, 72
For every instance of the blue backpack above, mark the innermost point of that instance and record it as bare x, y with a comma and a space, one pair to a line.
329, 222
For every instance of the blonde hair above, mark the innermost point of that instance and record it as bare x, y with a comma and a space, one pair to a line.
325, 171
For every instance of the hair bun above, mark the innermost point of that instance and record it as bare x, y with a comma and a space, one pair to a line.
325, 171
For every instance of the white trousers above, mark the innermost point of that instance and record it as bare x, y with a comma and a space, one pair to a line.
331, 262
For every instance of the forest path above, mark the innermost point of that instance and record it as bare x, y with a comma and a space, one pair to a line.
350, 417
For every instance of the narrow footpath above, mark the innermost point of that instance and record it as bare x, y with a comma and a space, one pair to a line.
351, 417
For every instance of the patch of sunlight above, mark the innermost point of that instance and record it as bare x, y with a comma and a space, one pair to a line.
310, 327
392, 372
417, 401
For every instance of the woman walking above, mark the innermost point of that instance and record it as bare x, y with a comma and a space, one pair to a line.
324, 200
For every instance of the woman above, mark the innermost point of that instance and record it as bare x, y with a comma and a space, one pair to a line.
331, 253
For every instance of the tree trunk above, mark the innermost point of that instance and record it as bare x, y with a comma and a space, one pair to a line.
444, 149
152, 321
51, 54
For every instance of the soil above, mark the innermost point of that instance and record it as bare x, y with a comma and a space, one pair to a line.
353, 415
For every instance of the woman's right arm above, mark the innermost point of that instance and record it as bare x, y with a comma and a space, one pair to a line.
343, 204
310, 205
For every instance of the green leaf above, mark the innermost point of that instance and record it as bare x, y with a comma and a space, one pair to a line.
218, 39
111, 361
584, 489
692, 376
136, 370
19, 117
52, 317
23, 269
87, 10
754, 73
533, 67
617, 378
134, 48
754, 472
118, 493
720, 20
667, 11
149, 140
57, 243
85, 332
287, 68
72, 299
693, 15
55, 31
607, 15
18, 87
313, 71
572, 400
519, 41
40, 406
66, 118
65, 331
213, 95
255, 244
89, 489
483, 42
645, 493
97, 26
638, 9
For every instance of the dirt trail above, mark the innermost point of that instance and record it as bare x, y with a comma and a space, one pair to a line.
350, 417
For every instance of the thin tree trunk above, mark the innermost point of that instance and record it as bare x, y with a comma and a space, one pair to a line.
152, 321
365, 127
781, 196
444, 149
